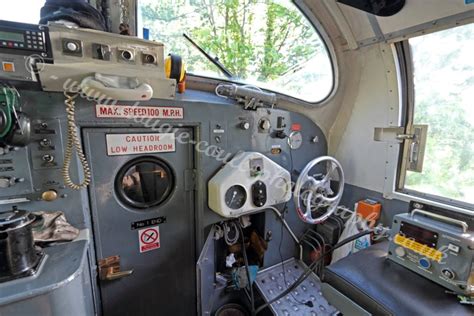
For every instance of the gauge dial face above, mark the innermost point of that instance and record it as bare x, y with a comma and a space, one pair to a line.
235, 197
295, 140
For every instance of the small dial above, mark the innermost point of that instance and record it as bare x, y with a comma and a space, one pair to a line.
235, 197
295, 140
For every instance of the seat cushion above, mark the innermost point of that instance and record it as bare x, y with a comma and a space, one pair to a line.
383, 287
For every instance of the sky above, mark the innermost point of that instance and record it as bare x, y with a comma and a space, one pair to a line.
26, 11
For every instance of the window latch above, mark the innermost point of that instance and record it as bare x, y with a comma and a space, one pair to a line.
415, 142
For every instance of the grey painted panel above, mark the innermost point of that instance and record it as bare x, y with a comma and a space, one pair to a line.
61, 287
201, 111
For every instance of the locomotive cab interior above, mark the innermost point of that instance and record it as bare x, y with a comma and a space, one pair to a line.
237, 157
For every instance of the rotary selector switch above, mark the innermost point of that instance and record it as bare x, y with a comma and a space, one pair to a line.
265, 124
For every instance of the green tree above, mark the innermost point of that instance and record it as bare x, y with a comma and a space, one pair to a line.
254, 39
444, 83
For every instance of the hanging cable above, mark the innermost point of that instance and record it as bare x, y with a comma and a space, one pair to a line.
283, 263
73, 142
246, 262
229, 240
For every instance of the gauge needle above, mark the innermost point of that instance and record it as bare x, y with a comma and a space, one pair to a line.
233, 197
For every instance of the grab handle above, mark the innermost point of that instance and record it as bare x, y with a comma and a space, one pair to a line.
445, 219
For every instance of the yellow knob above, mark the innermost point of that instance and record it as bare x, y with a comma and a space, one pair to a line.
49, 196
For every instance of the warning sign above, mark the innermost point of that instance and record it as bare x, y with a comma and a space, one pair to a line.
149, 238
132, 144
132, 111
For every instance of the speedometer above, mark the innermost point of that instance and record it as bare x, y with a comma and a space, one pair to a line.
235, 197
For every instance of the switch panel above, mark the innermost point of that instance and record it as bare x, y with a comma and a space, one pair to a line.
15, 176
259, 194
46, 153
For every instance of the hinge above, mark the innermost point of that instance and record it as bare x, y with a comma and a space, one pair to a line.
416, 142
190, 179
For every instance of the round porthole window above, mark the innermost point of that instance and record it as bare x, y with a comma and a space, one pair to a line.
144, 182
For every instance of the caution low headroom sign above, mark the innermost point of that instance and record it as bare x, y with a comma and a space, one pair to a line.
132, 144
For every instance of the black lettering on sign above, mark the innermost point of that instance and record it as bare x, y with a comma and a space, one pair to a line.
5, 169
148, 222
6, 161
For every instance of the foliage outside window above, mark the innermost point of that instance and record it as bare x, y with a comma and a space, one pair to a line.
444, 94
262, 42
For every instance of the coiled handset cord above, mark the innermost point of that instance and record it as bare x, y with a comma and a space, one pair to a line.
73, 142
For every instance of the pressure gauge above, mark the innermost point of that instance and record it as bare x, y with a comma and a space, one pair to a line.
295, 140
235, 197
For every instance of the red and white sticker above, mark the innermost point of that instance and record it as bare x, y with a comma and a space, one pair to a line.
149, 238
132, 111
133, 144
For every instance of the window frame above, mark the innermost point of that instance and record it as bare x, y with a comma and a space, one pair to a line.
407, 108
330, 50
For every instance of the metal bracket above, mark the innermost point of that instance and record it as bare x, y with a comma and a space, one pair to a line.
391, 134
416, 142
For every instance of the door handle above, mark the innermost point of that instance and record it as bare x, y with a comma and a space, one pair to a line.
109, 269
112, 274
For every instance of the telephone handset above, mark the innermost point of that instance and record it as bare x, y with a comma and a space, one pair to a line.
116, 88
103, 87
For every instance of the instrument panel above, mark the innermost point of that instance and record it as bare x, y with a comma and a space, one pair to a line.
248, 183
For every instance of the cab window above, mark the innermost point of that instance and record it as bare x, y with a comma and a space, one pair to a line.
268, 43
443, 76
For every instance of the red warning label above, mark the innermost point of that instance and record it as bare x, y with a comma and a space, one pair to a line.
132, 111
149, 238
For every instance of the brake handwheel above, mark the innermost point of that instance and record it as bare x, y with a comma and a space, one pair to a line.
313, 194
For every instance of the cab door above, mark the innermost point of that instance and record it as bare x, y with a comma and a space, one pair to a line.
143, 222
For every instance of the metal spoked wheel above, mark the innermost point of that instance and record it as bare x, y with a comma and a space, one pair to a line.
314, 197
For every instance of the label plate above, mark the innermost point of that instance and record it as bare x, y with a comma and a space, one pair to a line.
133, 144
132, 111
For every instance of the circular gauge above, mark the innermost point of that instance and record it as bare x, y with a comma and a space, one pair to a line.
235, 197
295, 140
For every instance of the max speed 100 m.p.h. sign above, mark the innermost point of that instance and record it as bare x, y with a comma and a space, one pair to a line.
134, 111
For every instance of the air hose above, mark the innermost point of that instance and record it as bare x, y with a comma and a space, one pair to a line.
73, 142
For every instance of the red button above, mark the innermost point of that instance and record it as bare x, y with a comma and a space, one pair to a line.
10, 44
296, 127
